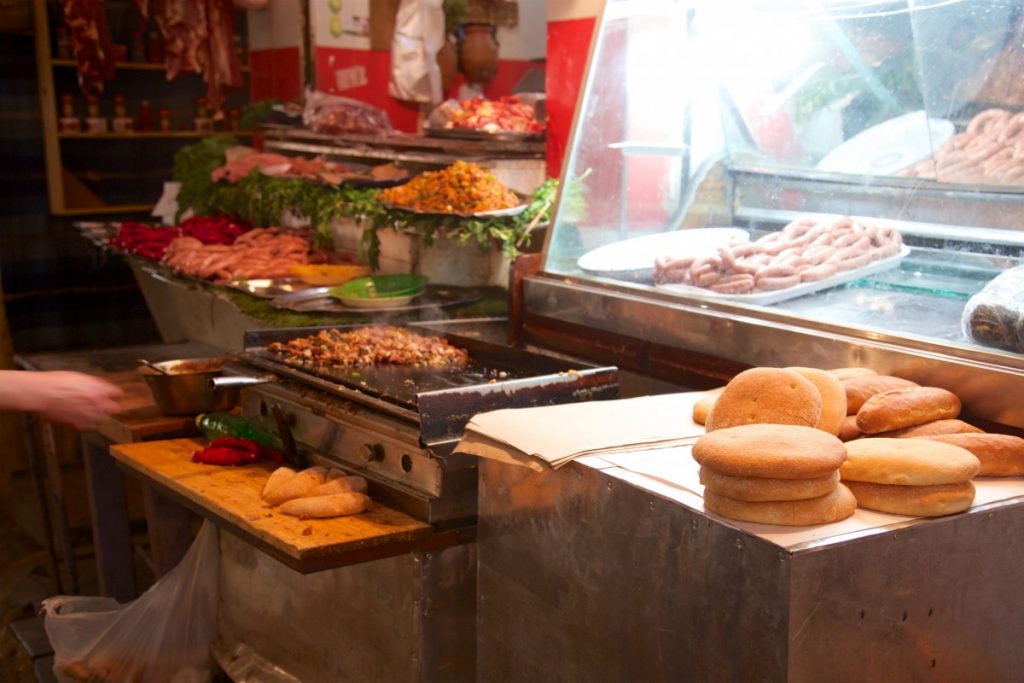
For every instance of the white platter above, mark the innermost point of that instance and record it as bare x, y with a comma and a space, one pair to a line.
802, 289
633, 259
890, 146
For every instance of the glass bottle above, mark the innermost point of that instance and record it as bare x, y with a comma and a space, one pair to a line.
164, 117
215, 425
137, 52
154, 47
145, 115
63, 43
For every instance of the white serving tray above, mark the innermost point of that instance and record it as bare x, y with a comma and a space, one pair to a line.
804, 288
633, 259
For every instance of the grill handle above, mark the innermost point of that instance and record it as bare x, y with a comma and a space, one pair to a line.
238, 381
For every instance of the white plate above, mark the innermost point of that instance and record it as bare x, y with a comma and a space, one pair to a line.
377, 302
633, 259
774, 297
890, 146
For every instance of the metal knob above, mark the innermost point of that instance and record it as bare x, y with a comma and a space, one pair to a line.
372, 452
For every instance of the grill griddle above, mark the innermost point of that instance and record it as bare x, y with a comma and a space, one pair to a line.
442, 401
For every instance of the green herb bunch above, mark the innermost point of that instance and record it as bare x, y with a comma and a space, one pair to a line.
263, 200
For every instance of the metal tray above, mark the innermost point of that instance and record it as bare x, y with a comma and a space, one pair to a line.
320, 299
471, 134
268, 288
804, 288
496, 213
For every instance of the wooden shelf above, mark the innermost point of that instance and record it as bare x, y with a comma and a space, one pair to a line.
152, 135
129, 66
97, 210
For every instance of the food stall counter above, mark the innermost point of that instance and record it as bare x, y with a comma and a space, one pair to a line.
230, 496
610, 568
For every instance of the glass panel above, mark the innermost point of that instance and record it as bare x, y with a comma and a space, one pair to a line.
791, 117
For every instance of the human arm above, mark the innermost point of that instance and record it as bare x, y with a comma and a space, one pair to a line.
73, 398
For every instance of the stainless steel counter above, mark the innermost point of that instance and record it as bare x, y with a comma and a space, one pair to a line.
584, 576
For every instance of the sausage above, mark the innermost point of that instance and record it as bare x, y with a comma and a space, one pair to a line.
708, 278
857, 260
819, 272
776, 271
777, 282
739, 283
985, 119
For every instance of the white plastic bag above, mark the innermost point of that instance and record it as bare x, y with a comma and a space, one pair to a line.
162, 637
334, 115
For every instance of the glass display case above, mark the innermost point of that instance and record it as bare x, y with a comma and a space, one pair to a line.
782, 183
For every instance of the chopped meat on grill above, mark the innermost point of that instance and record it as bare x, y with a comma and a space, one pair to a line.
371, 346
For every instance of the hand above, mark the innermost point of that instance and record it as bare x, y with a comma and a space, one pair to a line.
72, 398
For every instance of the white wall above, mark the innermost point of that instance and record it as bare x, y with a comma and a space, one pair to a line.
277, 25
528, 38
561, 10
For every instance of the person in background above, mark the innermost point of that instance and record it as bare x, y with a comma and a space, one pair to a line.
73, 398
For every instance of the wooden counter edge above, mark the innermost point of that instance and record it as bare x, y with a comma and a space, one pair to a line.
420, 536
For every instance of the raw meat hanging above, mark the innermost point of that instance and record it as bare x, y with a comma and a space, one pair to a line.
91, 43
199, 36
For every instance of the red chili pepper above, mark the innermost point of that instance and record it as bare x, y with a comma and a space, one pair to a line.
271, 453
222, 456
237, 443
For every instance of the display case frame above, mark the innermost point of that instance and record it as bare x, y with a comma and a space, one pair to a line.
700, 341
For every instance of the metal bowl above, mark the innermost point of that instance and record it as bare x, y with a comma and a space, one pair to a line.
185, 390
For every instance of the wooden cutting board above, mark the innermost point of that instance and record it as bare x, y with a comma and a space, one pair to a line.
230, 496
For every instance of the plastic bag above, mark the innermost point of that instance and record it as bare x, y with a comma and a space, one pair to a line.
162, 637
332, 114
995, 315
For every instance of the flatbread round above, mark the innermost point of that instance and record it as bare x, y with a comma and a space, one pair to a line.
702, 408
766, 396
832, 507
761, 489
918, 501
833, 398
771, 451
907, 462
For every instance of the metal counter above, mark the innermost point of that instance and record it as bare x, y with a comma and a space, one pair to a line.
406, 618
586, 577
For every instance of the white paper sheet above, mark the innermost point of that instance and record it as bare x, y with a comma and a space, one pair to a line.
558, 434
674, 473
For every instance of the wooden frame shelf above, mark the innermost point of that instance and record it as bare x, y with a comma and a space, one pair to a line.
152, 135
75, 193
129, 66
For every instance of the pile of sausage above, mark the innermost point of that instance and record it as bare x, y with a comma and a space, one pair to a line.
259, 253
807, 249
990, 151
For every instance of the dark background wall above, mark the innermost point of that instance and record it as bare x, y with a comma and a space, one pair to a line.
60, 292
